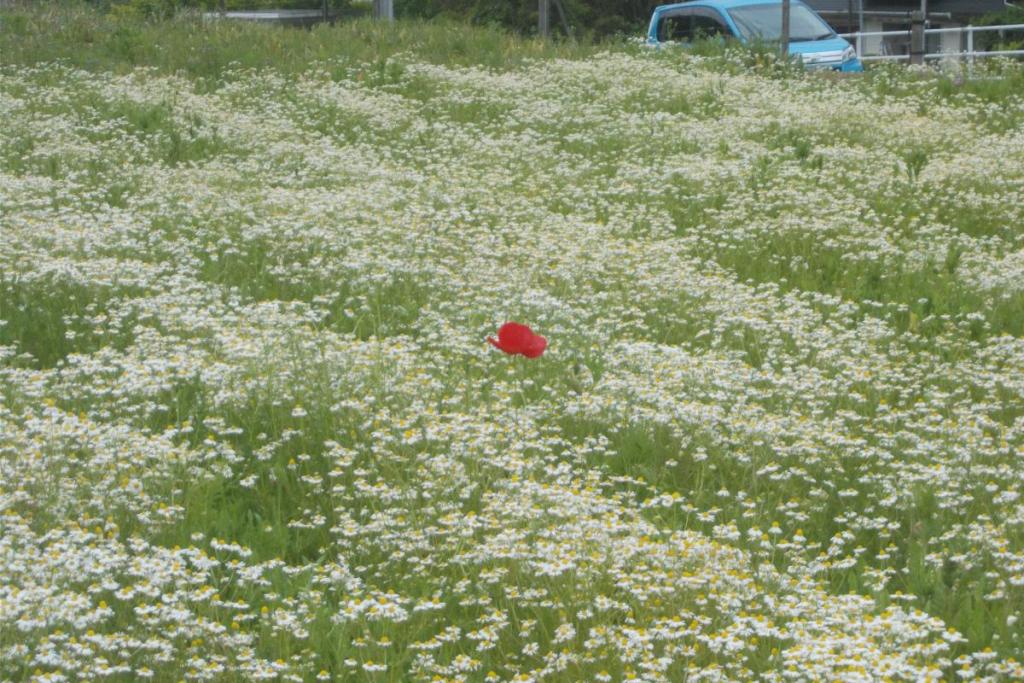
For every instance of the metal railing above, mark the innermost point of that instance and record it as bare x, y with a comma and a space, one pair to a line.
966, 41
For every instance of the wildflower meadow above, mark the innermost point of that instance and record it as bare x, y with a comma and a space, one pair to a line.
766, 422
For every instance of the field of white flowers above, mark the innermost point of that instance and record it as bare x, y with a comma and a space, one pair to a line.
251, 428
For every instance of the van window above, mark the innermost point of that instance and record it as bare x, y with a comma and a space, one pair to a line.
708, 27
764, 22
686, 26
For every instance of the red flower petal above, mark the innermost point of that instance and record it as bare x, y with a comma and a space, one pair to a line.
516, 338
536, 346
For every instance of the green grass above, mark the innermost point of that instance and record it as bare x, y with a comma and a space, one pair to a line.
314, 322
49, 319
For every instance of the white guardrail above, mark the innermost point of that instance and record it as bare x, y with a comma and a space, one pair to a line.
966, 40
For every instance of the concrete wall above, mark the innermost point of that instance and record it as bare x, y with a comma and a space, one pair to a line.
876, 45
948, 42
872, 45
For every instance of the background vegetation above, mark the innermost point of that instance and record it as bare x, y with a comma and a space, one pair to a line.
1009, 40
79, 35
596, 18
585, 18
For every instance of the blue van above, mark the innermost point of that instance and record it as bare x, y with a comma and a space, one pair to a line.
810, 37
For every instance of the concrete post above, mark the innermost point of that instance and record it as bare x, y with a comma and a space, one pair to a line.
785, 28
970, 48
917, 38
544, 18
384, 9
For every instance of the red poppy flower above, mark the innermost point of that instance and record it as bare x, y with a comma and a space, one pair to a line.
514, 338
